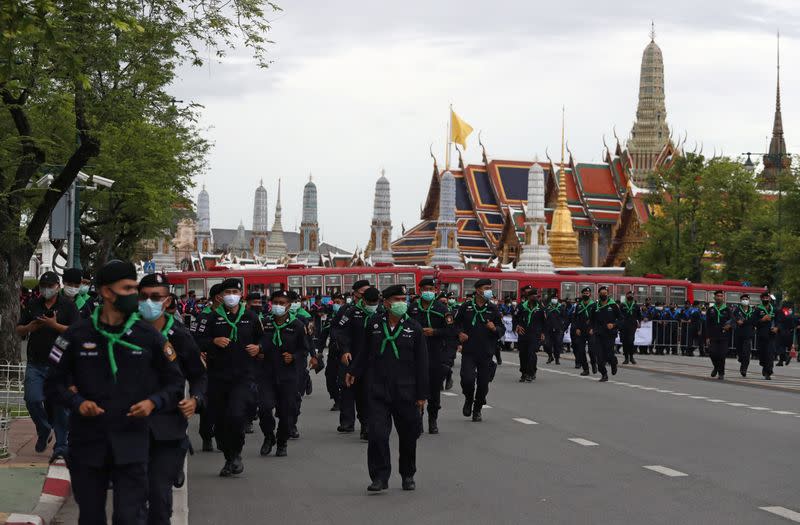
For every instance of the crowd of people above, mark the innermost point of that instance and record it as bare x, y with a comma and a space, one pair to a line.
109, 360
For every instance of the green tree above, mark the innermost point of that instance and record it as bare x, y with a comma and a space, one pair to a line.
69, 69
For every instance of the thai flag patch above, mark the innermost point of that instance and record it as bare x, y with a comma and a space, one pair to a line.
55, 354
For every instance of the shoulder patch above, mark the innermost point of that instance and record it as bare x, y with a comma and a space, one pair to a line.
61, 343
89, 345
169, 352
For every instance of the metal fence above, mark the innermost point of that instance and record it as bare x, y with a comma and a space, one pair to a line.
12, 402
673, 336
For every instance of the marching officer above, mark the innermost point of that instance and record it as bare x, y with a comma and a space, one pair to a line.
450, 340
529, 324
479, 326
745, 321
718, 324
606, 319
326, 338
350, 335
169, 443
284, 346
556, 320
437, 324
766, 331
631, 321
230, 336
581, 331
76, 287
206, 417
395, 359
786, 322
113, 371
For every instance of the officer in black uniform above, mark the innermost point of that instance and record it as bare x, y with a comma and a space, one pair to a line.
766, 331
556, 319
76, 287
606, 319
230, 337
113, 370
631, 321
718, 324
451, 339
745, 319
284, 346
169, 443
437, 324
206, 426
581, 331
254, 302
480, 326
350, 334
529, 324
395, 359
326, 338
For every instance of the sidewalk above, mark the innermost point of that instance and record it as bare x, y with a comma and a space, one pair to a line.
22, 474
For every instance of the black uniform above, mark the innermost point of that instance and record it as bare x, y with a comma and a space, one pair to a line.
530, 315
278, 381
438, 317
350, 336
206, 425
168, 427
478, 349
112, 446
745, 319
718, 322
631, 319
556, 320
580, 325
786, 322
605, 314
395, 365
450, 350
332, 383
231, 373
765, 337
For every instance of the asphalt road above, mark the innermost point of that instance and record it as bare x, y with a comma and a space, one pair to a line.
646, 448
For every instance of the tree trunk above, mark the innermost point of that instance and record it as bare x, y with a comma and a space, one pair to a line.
12, 269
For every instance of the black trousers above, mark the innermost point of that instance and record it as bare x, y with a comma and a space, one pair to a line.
604, 344
332, 377
579, 343
353, 402
408, 420
476, 373
280, 397
90, 485
528, 346
166, 462
743, 351
782, 347
553, 343
436, 375
305, 378
231, 404
628, 336
766, 353
207, 419
717, 351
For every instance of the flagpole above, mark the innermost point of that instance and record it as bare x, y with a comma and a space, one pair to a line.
449, 135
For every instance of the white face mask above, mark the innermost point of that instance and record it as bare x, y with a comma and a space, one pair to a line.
84, 288
48, 293
553, 301
745, 302
514, 303
294, 307
232, 300
71, 291
278, 310
371, 308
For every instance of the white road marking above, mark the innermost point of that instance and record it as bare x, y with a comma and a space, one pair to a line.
717, 401
783, 512
666, 471
784, 412
679, 394
487, 406
698, 397
525, 421
760, 408
583, 442
737, 404
450, 394
664, 391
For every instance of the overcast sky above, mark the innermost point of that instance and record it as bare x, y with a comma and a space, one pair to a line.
360, 85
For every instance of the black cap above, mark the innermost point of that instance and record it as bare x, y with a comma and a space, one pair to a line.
279, 293
372, 294
602, 288
153, 279
360, 284
744, 296
482, 282
396, 289
294, 296
337, 296
254, 296
115, 271
428, 281
73, 275
586, 289
214, 290
720, 291
765, 294
231, 283
49, 278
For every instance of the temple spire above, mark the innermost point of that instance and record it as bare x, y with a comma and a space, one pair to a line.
563, 239
276, 248
777, 158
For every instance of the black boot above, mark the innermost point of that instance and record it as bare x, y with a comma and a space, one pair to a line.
269, 442
364, 434
377, 486
633, 361
226, 470
433, 427
208, 445
476, 414
626, 360
237, 467
448, 384
280, 452
408, 483
335, 407
467, 410
294, 433
594, 368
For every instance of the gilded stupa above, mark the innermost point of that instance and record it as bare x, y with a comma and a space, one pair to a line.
562, 237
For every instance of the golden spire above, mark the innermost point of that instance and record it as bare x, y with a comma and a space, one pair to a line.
562, 239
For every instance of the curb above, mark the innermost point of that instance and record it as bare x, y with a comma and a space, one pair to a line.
55, 491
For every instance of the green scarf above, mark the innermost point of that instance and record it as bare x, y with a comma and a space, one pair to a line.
114, 338
81, 300
583, 308
719, 312
629, 307
277, 340
168, 326
388, 338
479, 312
747, 313
234, 328
367, 314
767, 312
530, 310
429, 311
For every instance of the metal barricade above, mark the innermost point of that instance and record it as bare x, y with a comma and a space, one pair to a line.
12, 399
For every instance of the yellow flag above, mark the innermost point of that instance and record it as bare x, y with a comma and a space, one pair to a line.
459, 130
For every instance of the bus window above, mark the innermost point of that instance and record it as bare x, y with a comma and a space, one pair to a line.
700, 295
333, 284
348, 280
658, 293
610, 288
452, 287
385, 280
275, 287
409, 281
369, 277
622, 290
178, 289
677, 295
510, 290
313, 285
640, 293
469, 286
568, 291
591, 286
548, 293
296, 283
197, 286
732, 297
251, 288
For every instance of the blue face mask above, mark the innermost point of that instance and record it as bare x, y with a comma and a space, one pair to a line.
278, 310
371, 308
336, 307
150, 310
428, 296
488, 294
294, 307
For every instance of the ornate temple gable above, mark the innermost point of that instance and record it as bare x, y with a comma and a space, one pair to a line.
431, 209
